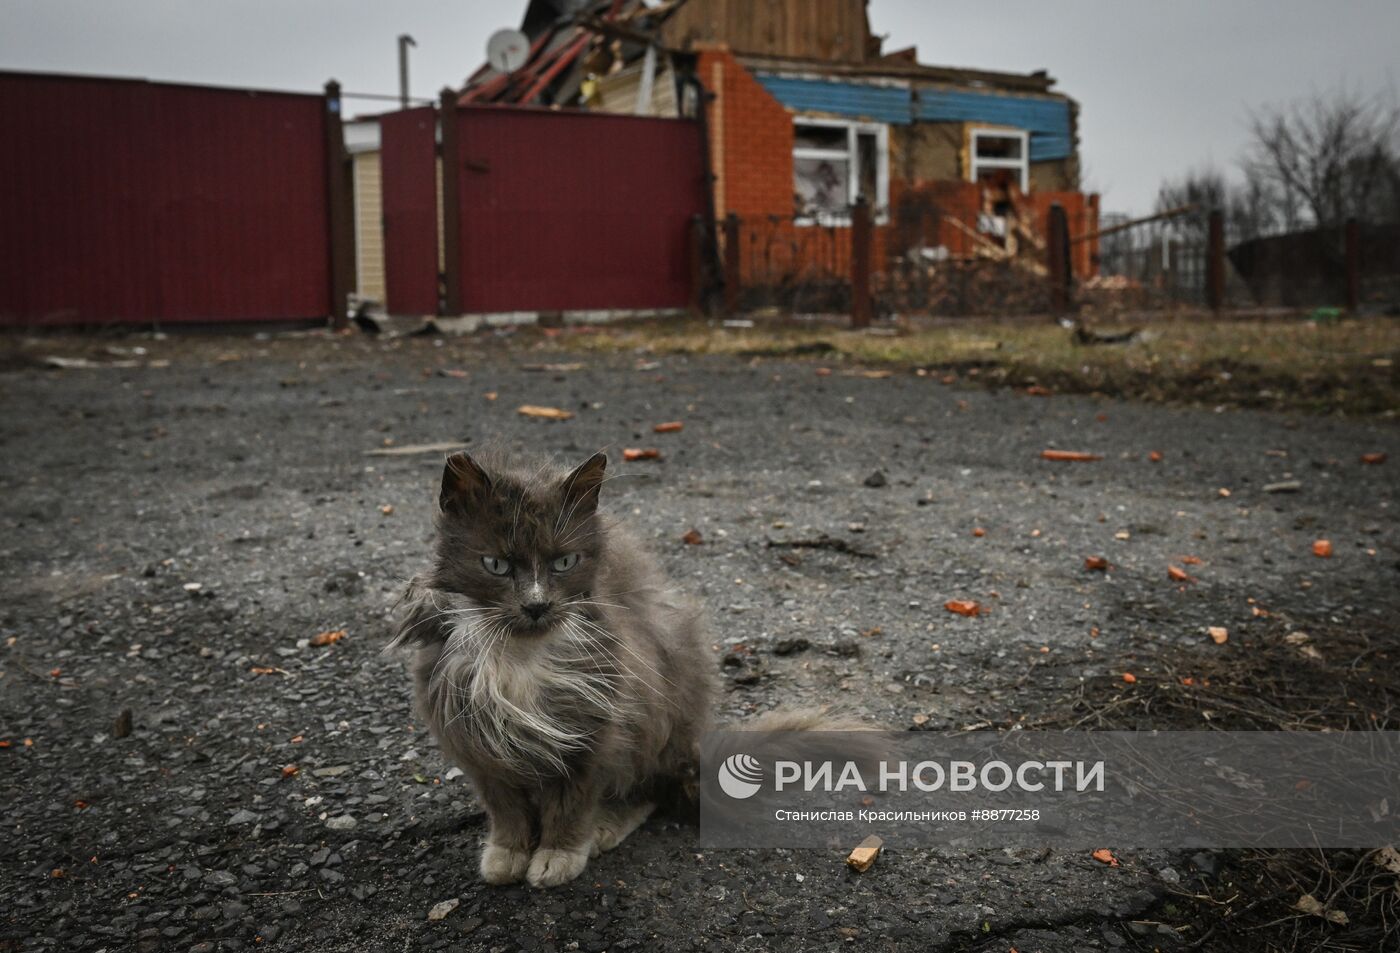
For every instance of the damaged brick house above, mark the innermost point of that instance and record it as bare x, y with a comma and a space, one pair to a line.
806, 113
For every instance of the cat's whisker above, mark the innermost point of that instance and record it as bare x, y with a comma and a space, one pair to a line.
622, 643
595, 602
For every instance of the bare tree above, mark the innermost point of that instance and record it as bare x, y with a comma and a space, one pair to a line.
1326, 159
1254, 209
1204, 188
1251, 209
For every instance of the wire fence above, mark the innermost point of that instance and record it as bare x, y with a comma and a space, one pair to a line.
923, 261
1167, 263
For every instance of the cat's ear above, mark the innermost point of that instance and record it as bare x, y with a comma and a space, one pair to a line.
464, 484
581, 486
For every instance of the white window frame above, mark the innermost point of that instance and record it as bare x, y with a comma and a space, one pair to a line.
1021, 165
880, 201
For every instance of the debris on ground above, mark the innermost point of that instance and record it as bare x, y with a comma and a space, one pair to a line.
544, 413
1218, 634
823, 541
1105, 856
1070, 456
1087, 337
692, 537
1313, 907
441, 910
864, 855
641, 453
671, 426
1322, 549
967, 607
410, 449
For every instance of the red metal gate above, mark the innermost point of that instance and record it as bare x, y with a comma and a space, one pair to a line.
130, 201
560, 209
408, 189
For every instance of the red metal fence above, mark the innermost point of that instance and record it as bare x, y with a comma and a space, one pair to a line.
555, 210
408, 190
133, 202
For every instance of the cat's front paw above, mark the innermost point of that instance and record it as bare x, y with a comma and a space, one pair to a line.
503, 865
551, 867
616, 822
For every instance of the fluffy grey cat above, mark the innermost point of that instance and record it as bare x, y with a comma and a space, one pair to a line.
553, 665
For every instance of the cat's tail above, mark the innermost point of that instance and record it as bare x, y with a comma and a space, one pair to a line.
814, 718
838, 735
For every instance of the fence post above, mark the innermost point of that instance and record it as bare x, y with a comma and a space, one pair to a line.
451, 204
1057, 262
697, 264
1353, 265
731, 263
1215, 261
340, 203
860, 264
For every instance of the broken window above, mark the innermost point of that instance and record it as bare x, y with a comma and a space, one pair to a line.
1000, 157
833, 164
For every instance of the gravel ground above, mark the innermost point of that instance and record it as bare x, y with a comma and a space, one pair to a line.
172, 536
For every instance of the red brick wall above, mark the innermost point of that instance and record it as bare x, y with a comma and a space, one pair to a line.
750, 140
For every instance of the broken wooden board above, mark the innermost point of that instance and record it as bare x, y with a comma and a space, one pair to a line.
544, 413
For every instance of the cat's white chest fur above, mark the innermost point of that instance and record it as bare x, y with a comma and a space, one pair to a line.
519, 700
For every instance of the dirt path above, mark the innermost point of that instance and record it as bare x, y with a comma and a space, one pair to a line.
168, 532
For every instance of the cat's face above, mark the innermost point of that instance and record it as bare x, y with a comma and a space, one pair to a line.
522, 546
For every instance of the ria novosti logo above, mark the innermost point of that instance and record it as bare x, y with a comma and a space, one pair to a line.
740, 776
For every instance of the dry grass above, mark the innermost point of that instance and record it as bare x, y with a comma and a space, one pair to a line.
1270, 685
1347, 366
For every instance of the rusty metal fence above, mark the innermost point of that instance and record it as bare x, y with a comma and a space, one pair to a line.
1182, 259
1200, 259
871, 268
788, 263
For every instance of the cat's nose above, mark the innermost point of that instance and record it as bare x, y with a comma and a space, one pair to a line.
536, 610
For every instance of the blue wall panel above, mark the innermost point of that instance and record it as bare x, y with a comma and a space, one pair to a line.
889, 104
1047, 120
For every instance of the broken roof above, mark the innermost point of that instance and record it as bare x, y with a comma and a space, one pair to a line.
566, 44
572, 39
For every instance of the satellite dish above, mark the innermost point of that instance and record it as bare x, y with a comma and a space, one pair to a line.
507, 50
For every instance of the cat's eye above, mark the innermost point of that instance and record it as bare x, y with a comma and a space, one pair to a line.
564, 563
495, 565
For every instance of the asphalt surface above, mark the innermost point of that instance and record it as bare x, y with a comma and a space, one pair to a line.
171, 536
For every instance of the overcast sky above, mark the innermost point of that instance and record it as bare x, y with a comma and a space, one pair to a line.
1162, 86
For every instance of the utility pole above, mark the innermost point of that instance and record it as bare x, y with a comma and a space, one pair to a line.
405, 41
